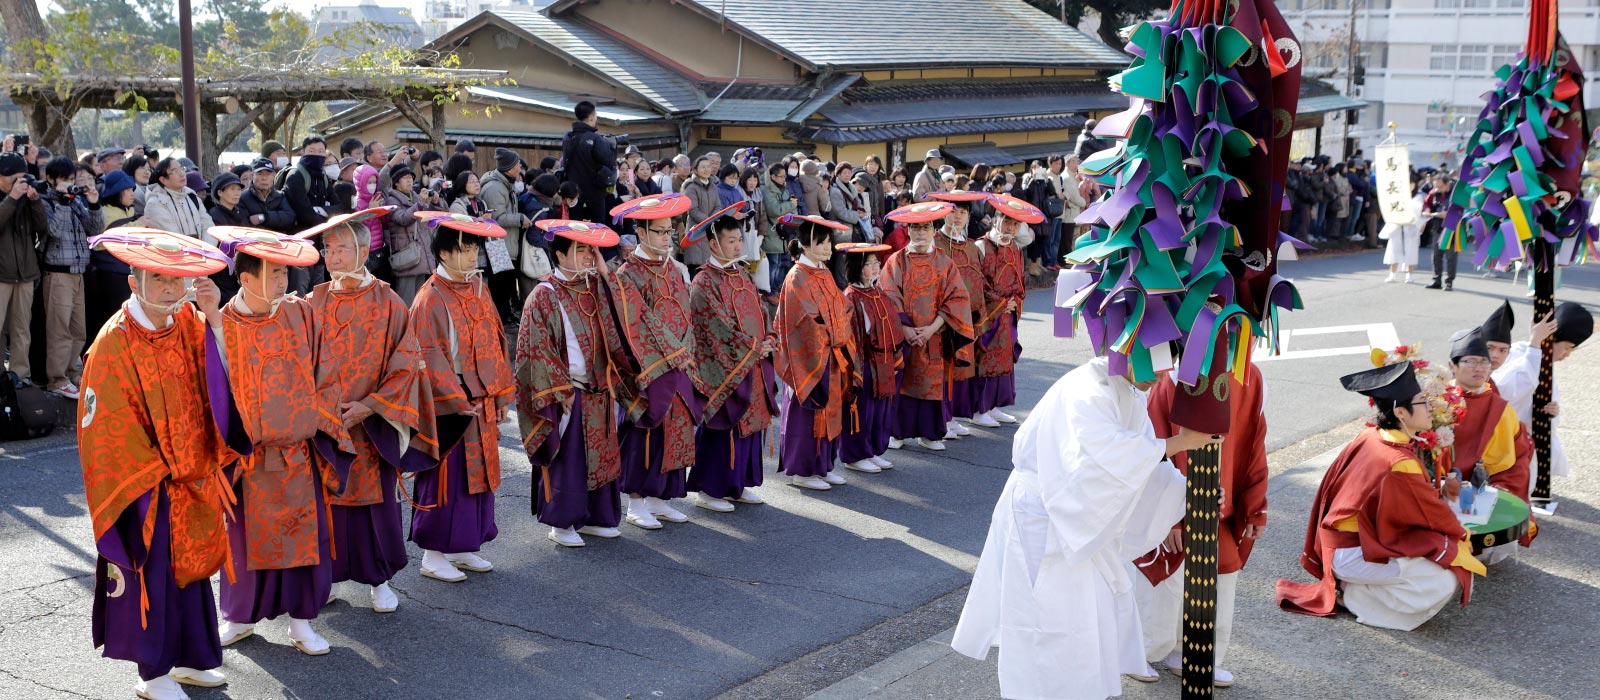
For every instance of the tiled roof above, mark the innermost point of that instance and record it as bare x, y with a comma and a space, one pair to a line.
833, 134
924, 101
559, 101
857, 34
622, 64
748, 111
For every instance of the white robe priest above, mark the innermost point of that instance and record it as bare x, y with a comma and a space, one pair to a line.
1090, 490
1516, 380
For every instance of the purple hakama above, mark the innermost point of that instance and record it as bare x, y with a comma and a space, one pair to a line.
299, 591
962, 403
371, 546
571, 503
989, 393
726, 464
874, 422
920, 418
182, 622
464, 522
644, 448
803, 453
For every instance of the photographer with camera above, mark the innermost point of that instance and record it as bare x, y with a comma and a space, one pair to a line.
590, 158
73, 211
23, 224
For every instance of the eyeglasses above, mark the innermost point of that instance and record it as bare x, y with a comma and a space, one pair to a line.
1473, 362
659, 230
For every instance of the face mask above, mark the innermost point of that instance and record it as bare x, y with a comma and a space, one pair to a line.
1008, 187
520, 187
282, 162
332, 171
313, 162
794, 172
372, 188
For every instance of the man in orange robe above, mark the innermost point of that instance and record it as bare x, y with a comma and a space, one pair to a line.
936, 321
1381, 533
279, 531
1489, 433
463, 348
368, 352
1242, 517
156, 425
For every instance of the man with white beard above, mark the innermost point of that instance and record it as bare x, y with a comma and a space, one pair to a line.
1092, 488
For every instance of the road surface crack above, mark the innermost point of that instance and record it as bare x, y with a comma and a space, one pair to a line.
547, 635
46, 687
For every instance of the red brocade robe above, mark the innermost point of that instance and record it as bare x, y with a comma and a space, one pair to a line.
543, 378
480, 382
653, 307
1492, 432
968, 262
729, 328
370, 356
815, 344
1379, 497
272, 361
1244, 474
926, 286
877, 349
997, 328
148, 419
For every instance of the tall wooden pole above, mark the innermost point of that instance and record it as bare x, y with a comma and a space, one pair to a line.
1542, 255
192, 145
1201, 525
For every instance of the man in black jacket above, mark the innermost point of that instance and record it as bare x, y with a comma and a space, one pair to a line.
309, 189
265, 207
591, 162
23, 223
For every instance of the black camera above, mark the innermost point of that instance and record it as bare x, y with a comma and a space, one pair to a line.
77, 190
620, 139
37, 184
19, 140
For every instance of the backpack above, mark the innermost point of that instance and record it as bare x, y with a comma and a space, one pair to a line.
25, 412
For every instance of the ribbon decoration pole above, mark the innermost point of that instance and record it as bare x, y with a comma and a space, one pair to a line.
1176, 270
1521, 195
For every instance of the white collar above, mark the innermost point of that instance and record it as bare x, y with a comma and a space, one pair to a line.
721, 265
808, 262
136, 310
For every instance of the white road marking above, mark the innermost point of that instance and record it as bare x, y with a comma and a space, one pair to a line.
1379, 335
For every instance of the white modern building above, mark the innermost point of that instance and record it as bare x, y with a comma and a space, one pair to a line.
1427, 63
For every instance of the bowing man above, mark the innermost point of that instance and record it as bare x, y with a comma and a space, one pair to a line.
1381, 534
280, 530
1091, 488
156, 425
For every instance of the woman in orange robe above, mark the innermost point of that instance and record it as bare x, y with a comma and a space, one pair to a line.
814, 347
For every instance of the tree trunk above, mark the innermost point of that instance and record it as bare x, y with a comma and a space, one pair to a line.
49, 121
210, 150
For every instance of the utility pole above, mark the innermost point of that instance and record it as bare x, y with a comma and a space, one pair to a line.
191, 93
1349, 77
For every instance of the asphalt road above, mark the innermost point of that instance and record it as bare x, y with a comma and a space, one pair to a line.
773, 601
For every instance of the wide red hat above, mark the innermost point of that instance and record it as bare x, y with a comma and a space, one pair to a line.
697, 232
656, 206
957, 196
597, 235
270, 246
1016, 208
161, 252
860, 247
921, 212
797, 219
340, 219
463, 223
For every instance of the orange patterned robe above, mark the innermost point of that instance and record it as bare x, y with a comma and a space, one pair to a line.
652, 304
464, 351
997, 329
369, 355
968, 262
926, 286
815, 344
272, 365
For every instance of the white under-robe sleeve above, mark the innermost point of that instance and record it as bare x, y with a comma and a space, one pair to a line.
1517, 377
1091, 474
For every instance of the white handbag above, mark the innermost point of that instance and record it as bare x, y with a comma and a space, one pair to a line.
535, 263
